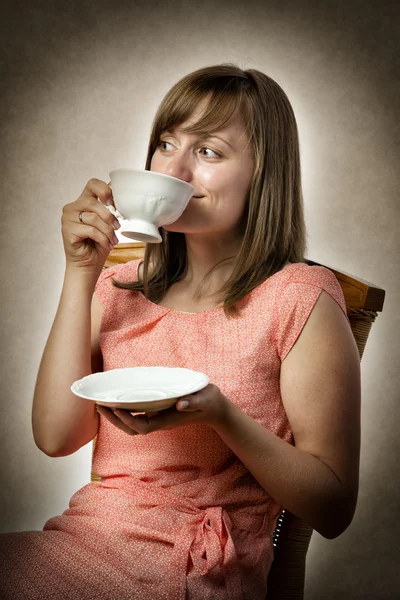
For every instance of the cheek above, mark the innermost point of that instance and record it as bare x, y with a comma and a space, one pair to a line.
217, 182
227, 187
156, 163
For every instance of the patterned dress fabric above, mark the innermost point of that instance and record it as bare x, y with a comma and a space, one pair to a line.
176, 515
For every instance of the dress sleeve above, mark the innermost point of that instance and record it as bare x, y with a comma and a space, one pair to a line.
105, 289
298, 298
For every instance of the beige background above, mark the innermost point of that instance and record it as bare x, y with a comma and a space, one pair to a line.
81, 82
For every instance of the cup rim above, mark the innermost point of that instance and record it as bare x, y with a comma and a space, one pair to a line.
122, 169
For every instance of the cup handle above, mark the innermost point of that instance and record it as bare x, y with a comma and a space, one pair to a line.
115, 212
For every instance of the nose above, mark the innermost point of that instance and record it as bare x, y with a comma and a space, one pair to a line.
179, 167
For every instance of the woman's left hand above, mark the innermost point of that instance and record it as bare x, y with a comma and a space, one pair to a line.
208, 406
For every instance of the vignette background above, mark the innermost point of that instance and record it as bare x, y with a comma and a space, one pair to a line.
81, 82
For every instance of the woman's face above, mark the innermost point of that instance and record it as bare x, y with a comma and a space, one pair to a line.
219, 166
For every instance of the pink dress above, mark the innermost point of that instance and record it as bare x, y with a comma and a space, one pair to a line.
176, 516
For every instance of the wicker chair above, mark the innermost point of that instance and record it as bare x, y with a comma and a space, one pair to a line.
292, 535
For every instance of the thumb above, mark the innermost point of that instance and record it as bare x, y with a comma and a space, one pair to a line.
187, 403
182, 404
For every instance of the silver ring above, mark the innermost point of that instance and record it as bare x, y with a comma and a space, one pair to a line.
80, 216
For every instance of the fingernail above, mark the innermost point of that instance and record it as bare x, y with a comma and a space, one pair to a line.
183, 404
116, 224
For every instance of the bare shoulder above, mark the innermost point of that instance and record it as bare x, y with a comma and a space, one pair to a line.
321, 390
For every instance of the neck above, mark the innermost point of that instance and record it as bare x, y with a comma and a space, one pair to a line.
205, 253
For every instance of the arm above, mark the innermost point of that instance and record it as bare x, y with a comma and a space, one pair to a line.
62, 423
317, 479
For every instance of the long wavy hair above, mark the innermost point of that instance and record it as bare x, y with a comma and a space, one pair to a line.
273, 224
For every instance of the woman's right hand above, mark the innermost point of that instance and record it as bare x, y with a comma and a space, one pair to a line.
88, 242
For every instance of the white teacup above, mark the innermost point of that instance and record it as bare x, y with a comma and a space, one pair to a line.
146, 200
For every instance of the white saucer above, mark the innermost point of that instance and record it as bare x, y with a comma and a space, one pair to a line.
139, 389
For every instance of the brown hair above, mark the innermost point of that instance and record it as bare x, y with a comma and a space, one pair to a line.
273, 224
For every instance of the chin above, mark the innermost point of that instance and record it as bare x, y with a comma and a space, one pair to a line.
181, 225
173, 227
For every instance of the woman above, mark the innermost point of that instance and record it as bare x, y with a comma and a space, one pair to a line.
189, 496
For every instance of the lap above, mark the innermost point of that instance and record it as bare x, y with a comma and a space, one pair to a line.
51, 564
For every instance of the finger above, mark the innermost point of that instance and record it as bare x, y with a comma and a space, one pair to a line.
204, 399
96, 188
91, 212
86, 232
164, 419
189, 403
100, 194
91, 219
141, 423
110, 416
74, 232
95, 206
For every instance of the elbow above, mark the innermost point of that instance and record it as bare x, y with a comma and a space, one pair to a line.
332, 531
44, 442
58, 443
337, 519
49, 450
55, 448
56, 452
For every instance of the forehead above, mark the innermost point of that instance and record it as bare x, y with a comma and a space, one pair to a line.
201, 114
202, 122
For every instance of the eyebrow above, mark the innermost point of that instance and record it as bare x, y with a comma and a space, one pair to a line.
204, 136
219, 138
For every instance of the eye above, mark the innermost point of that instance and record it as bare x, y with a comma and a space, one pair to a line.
164, 146
208, 153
